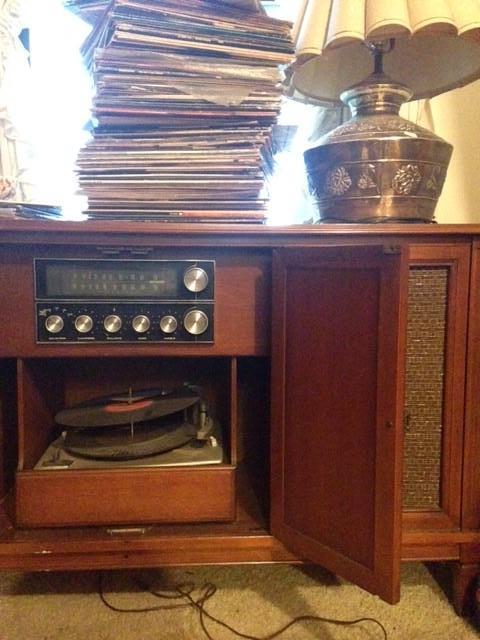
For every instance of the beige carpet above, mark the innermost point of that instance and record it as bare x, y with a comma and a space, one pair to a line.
254, 599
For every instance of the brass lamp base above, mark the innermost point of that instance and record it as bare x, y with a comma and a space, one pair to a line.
377, 167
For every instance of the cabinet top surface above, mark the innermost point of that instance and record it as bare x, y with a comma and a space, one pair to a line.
36, 231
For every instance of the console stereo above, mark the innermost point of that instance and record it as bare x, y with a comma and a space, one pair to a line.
124, 300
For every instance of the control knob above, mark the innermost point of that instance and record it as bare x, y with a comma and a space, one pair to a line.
141, 324
112, 323
54, 324
195, 322
168, 324
83, 323
195, 279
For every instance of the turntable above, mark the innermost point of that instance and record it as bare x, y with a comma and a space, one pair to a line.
147, 428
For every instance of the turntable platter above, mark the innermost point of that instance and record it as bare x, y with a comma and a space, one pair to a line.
120, 443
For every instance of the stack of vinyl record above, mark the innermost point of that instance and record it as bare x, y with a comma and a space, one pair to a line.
88, 10
129, 425
187, 94
29, 210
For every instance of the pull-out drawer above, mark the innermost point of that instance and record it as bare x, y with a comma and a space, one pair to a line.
124, 496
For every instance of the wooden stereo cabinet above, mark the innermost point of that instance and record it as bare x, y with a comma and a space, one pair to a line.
345, 374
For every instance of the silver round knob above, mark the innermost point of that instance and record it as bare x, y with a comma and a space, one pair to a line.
141, 324
195, 322
195, 279
54, 324
112, 323
168, 324
83, 323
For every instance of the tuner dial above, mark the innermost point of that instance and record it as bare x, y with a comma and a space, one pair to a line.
54, 324
168, 324
195, 322
195, 279
83, 323
141, 324
112, 323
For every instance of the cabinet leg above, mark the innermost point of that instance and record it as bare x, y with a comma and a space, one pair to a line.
463, 587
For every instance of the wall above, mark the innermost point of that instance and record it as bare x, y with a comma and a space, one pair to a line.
455, 116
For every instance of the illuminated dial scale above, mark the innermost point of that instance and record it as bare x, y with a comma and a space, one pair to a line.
127, 321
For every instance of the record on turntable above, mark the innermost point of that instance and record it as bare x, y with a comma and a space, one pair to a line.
147, 427
125, 407
123, 443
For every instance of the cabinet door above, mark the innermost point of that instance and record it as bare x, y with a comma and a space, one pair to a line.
471, 475
337, 409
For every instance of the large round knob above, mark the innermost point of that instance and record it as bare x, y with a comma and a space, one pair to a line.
54, 324
112, 323
195, 279
195, 322
168, 324
141, 324
83, 323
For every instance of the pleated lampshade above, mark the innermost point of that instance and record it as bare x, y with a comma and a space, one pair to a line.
437, 44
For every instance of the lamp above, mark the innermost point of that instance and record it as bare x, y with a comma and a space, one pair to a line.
378, 166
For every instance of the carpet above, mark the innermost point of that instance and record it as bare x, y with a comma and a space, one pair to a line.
255, 599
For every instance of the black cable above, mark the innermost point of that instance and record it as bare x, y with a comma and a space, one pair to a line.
186, 591
171, 596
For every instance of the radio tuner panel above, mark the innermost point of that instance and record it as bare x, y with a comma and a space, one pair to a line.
81, 301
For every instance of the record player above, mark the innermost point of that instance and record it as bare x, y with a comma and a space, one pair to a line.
142, 428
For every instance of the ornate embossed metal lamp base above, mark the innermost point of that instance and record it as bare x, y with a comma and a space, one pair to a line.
377, 167
8, 188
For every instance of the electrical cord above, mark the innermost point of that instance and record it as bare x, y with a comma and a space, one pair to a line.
186, 593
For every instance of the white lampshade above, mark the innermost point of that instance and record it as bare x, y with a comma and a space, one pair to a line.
437, 45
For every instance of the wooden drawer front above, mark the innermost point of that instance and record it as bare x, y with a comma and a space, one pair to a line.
124, 496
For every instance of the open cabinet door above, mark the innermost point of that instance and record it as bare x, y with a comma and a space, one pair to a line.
337, 409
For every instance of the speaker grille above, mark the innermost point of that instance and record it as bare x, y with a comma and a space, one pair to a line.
426, 342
